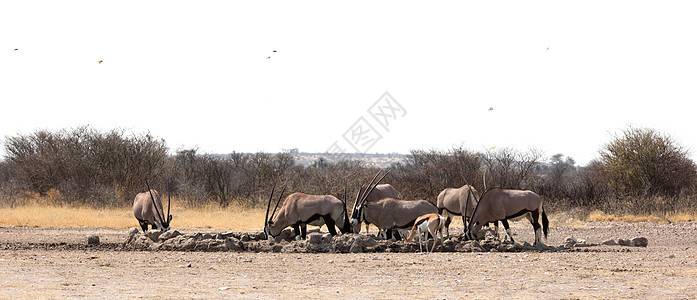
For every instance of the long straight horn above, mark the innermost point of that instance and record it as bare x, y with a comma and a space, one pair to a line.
169, 198
358, 197
277, 202
268, 206
157, 210
470, 187
368, 191
346, 218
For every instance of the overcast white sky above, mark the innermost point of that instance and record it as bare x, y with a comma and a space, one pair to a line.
560, 76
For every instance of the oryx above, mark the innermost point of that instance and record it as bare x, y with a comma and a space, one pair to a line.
501, 205
147, 208
380, 192
456, 202
428, 223
300, 209
387, 214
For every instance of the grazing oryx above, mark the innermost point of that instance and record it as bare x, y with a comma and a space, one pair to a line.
429, 223
147, 208
387, 214
501, 205
456, 202
300, 209
381, 191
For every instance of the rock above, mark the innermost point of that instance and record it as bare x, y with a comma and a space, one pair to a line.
258, 236
625, 242
570, 241
130, 238
233, 244
245, 237
326, 238
93, 240
168, 235
287, 235
206, 236
314, 238
153, 234
640, 241
219, 236
581, 242
609, 242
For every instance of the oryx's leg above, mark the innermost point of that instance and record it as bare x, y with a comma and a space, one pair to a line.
536, 226
388, 234
367, 228
330, 224
143, 225
508, 229
303, 231
447, 225
397, 236
296, 231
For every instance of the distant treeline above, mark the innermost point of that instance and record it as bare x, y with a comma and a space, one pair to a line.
639, 171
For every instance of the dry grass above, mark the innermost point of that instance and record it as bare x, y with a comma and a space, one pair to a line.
37, 215
598, 216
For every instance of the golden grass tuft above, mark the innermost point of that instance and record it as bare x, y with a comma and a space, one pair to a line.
212, 216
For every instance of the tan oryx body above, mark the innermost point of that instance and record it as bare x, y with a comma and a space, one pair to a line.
502, 205
148, 210
391, 214
456, 202
380, 192
429, 223
300, 209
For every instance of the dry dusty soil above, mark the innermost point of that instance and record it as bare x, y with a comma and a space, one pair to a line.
57, 263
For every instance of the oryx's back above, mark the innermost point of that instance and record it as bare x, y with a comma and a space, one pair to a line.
301, 206
382, 191
393, 212
505, 203
143, 208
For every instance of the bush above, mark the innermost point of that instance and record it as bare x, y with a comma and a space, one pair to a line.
87, 166
645, 162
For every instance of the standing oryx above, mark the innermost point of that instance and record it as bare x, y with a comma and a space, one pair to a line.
501, 205
387, 214
147, 208
429, 223
300, 209
456, 202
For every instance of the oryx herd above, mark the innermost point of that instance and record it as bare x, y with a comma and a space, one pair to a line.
378, 204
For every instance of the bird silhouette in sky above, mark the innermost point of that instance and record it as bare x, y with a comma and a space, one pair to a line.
100, 61
491, 108
16, 49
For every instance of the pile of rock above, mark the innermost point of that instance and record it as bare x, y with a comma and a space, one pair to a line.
316, 242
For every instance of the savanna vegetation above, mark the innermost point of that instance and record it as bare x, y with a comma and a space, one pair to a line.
640, 171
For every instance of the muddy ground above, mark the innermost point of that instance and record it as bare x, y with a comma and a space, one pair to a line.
58, 263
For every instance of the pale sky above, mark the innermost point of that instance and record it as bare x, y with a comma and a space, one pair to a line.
561, 76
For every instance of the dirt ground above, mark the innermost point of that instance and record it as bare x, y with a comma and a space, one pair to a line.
57, 263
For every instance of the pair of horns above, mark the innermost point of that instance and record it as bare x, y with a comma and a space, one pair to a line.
169, 201
363, 194
475, 199
268, 206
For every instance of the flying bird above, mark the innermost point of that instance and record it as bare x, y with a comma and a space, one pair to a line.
491, 108
275, 51
100, 61
547, 48
268, 57
16, 49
